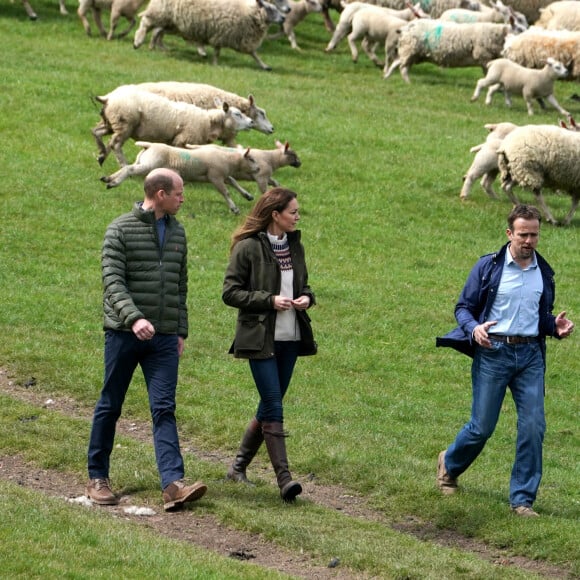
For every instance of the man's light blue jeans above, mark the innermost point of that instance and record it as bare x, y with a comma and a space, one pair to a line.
521, 368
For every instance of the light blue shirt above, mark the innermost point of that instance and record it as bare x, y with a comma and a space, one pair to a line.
517, 304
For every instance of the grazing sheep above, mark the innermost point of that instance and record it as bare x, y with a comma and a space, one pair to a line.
237, 24
538, 156
484, 163
299, 10
140, 115
563, 15
268, 161
206, 163
204, 96
504, 74
533, 47
448, 44
118, 8
32, 14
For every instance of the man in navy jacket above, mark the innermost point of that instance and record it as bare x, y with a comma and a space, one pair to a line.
504, 315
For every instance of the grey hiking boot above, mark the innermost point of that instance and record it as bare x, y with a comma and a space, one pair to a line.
99, 491
446, 483
177, 493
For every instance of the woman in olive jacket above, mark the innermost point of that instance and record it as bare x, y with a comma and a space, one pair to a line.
267, 280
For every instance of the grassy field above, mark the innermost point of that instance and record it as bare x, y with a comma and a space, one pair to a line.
389, 245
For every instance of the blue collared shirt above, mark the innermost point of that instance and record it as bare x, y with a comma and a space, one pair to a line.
517, 303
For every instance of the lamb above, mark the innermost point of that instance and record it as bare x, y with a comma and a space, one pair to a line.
373, 24
32, 14
299, 10
206, 163
537, 156
498, 13
204, 96
141, 115
533, 47
118, 8
505, 74
563, 15
448, 44
484, 163
268, 161
237, 24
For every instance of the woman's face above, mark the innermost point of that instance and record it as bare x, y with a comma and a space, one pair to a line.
285, 221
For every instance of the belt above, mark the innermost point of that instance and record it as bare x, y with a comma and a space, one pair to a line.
514, 339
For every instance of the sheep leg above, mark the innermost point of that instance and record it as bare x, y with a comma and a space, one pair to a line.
99, 22
353, 49
98, 132
114, 21
260, 62
221, 187
62, 7
573, 207
542, 203
508, 186
237, 186
404, 70
491, 91
144, 27
371, 51
552, 100
29, 10
84, 21
118, 177
341, 31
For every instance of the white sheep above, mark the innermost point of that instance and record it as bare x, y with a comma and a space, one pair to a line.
118, 8
538, 156
562, 15
299, 10
32, 14
268, 161
204, 96
206, 163
504, 74
237, 24
534, 46
484, 163
140, 115
498, 12
448, 44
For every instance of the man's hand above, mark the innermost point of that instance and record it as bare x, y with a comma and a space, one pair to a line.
143, 329
564, 327
480, 333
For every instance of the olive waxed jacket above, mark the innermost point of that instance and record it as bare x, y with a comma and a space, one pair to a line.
141, 279
251, 281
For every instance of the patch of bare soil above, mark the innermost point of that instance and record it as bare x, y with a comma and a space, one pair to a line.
206, 532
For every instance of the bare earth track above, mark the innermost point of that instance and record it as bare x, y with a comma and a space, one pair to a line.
206, 532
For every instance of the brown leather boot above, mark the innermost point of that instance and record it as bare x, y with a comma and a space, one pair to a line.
274, 436
251, 442
178, 493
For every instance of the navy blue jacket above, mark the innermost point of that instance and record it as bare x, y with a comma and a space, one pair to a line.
479, 293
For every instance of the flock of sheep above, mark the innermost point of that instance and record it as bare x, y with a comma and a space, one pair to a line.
177, 124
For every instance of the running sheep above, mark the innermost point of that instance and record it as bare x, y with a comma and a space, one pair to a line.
140, 115
484, 163
206, 163
299, 10
498, 13
563, 15
533, 47
237, 24
504, 74
448, 44
204, 96
118, 8
538, 156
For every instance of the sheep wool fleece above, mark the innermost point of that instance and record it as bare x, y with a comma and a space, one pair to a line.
141, 279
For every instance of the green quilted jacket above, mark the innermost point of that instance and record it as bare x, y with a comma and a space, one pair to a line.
142, 280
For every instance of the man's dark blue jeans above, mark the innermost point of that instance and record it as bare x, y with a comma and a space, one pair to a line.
159, 361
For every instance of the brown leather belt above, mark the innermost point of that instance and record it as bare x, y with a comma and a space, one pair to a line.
513, 339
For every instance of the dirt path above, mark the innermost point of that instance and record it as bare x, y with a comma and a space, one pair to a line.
208, 533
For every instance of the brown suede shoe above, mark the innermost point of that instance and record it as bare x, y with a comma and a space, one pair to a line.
446, 483
177, 493
99, 490
525, 511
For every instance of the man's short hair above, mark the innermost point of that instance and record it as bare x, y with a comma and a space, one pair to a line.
523, 211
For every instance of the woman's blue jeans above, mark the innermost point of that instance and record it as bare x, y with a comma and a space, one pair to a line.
159, 361
521, 368
272, 377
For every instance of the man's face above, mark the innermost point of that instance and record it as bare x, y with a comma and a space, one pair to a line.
524, 238
171, 201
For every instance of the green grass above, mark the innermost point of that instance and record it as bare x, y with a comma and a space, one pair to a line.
388, 243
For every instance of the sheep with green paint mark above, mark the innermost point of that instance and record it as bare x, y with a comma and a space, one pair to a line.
448, 44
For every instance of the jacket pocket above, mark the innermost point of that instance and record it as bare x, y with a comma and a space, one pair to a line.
251, 332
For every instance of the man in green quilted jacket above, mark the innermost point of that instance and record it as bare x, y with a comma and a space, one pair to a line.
144, 270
